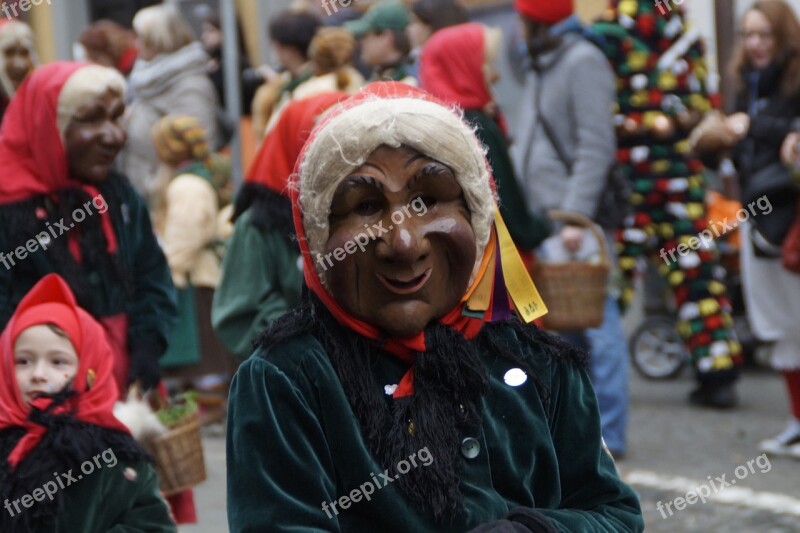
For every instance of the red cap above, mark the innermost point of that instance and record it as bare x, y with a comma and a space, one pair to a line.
547, 11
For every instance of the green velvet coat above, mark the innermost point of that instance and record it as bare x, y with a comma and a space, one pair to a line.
261, 281
294, 443
107, 501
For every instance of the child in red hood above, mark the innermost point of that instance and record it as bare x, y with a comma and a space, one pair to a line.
66, 463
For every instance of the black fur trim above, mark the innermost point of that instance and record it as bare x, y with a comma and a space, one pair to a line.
67, 443
450, 382
270, 211
46, 214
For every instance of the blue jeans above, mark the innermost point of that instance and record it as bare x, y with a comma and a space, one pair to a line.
608, 362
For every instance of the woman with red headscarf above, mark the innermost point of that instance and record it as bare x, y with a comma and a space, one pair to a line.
261, 271
404, 394
66, 463
63, 210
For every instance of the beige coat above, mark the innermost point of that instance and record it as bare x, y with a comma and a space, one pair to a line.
187, 229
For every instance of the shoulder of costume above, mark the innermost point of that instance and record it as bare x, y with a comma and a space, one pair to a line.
301, 346
269, 211
301, 359
536, 346
259, 197
119, 183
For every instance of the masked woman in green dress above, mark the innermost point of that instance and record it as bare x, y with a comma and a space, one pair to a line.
410, 391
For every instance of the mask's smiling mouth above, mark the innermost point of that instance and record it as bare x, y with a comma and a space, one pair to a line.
405, 286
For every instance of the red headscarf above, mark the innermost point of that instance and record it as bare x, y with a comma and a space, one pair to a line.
547, 11
50, 301
451, 66
488, 277
33, 154
276, 158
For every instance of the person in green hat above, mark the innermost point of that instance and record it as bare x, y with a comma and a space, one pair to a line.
383, 41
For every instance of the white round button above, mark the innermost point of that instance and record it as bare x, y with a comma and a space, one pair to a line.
515, 377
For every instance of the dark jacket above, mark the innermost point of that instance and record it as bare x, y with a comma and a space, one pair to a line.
135, 281
294, 444
771, 119
121, 499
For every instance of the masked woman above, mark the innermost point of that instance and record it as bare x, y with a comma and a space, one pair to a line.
404, 395
62, 210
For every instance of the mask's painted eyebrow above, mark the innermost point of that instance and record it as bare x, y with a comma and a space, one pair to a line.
360, 180
431, 169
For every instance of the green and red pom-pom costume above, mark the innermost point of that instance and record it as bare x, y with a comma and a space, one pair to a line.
662, 94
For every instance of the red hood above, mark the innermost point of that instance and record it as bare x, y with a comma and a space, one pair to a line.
31, 149
51, 301
276, 158
451, 66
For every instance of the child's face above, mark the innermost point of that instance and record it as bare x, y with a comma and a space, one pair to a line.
44, 362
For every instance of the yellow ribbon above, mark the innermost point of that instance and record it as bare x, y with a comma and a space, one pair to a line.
526, 298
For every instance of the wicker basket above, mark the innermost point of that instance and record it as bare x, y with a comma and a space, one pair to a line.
179, 457
573, 292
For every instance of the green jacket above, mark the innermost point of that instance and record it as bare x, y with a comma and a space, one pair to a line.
107, 501
261, 281
294, 443
150, 304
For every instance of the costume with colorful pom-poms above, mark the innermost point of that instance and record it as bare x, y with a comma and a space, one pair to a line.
662, 94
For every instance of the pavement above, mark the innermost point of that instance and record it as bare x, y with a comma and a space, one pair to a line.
675, 449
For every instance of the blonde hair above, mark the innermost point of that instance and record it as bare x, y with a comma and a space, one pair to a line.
331, 50
86, 85
162, 29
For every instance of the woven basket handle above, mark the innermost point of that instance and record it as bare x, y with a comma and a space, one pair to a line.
583, 221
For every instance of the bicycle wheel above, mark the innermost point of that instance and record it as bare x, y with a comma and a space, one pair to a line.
657, 351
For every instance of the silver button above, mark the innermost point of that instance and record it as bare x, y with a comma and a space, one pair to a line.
470, 448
